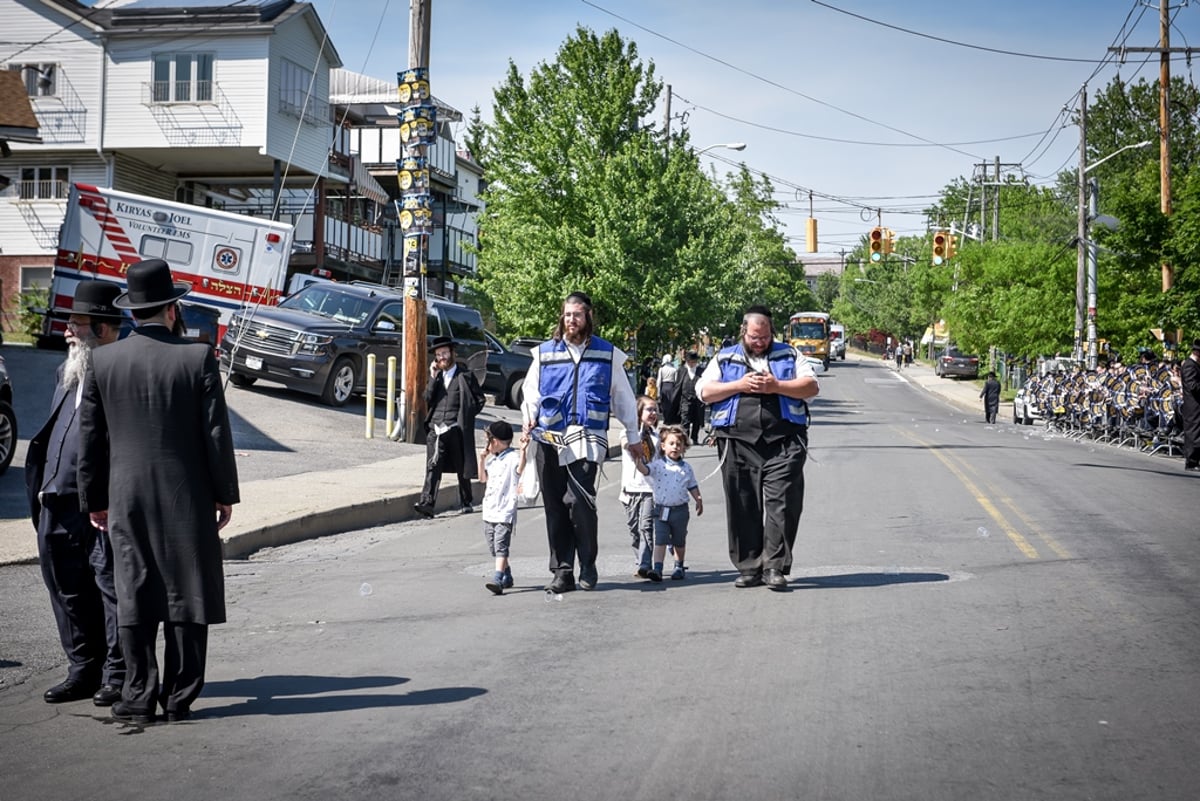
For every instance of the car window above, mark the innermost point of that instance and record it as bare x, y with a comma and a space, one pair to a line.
391, 317
465, 324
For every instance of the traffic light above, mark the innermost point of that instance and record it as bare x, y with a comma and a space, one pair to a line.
876, 244
941, 243
951, 246
889, 240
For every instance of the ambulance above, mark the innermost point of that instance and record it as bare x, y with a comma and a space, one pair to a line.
231, 260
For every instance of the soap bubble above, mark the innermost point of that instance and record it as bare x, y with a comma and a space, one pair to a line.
553, 596
982, 532
365, 589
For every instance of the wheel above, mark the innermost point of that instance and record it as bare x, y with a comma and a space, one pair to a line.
341, 383
515, 393
240, 380
8, 435
1016, 420
1028, 419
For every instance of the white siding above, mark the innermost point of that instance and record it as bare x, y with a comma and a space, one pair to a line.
235, 117
70, 119
31, 227
309, 150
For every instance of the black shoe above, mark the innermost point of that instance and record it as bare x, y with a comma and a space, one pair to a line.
1193, 469
654, 576
775, 579
107, 695
749, 580
563, 583
588, 579
178, 715
122, 712
423, 509
68, 691
642, 572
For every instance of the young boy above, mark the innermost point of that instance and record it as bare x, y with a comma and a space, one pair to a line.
500, 467
636, 494
672, 480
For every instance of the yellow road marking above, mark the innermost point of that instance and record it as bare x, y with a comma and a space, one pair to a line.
1023, 545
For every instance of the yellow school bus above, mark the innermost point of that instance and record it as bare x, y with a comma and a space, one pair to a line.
808, 332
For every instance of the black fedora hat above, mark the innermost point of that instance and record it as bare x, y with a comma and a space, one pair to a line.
93, 298
441, 342
150, 284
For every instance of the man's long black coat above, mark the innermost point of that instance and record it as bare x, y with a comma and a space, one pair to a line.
156, 451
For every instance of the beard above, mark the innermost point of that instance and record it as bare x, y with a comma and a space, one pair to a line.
79, 362
755, 352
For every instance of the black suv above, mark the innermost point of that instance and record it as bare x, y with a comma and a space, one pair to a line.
318, 339
506, 371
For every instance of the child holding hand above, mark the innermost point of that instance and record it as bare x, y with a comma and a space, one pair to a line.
500, 467
672, 480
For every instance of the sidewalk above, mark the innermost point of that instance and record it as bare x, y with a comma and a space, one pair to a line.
961, 392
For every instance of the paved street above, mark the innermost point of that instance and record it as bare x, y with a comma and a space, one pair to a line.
977, 611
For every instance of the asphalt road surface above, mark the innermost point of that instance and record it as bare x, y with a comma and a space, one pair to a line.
981, 612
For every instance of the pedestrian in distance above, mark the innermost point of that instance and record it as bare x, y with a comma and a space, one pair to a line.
652, 388
668, 390
574, 384
453, 399
758, 390
991, 397
76, 558
691, 408
673, 481
1189, 376
500, 468
157, 472
637, 496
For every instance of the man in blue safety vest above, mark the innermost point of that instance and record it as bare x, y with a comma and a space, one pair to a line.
574, 384
758, 388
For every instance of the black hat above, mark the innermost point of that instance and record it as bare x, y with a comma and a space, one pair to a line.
763, 310
93, 298
1196, 344
150, 285
579, 297
501, 430
691, 355
441, 342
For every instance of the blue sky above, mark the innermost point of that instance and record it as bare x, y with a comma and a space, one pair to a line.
802, 67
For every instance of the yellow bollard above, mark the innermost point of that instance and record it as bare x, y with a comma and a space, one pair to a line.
391, 393
370, 395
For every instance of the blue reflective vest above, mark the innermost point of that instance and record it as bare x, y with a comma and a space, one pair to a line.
733, 363
574, 394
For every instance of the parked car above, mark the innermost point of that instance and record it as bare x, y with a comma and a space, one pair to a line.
525, 344
953, 362
837, 341
1025, 411
8, 420
506, 371
317, 340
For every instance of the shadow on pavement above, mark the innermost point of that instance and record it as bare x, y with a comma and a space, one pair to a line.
863, 580
306, 695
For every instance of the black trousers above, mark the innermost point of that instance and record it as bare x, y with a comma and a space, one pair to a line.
569, 497
185, 651
764, 497
691, 413
445, 455
77, 568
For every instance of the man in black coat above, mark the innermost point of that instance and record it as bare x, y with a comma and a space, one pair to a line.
991, 397
453, 398
691, 408
76, 558
157, 471
1189, 374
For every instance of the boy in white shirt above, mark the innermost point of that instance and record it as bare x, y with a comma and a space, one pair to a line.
673, 481
500, 467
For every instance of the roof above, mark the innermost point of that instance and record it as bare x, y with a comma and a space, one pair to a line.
350, 88
18, 123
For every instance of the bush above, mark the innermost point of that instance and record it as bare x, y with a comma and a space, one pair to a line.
32, 305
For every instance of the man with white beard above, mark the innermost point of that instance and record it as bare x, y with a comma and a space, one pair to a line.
76, 558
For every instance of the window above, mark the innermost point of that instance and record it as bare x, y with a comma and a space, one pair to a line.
391, 318
465, 324
35, 278
40, 79
295, 83
171, 251
45, 183
183, 78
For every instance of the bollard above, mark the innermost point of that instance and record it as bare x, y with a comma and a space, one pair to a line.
371, 395
391, 393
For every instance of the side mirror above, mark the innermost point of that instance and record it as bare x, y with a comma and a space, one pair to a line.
385, 325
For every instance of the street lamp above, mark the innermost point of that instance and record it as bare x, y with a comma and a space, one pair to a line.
1087, 254
726, 145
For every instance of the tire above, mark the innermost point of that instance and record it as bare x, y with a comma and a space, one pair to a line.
515, 393
8, 435
240, 380
341, 382
1027, 418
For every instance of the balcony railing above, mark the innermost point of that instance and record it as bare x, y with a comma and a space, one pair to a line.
41, 190
181, 91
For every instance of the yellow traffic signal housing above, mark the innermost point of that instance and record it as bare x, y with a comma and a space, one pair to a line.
889, 240
951, 246
941, 244
810, 235
875, 244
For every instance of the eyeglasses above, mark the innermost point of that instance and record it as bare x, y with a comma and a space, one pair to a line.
74, 326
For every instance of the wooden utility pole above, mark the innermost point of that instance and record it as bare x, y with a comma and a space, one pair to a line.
1082, 233
667, 122
416, 367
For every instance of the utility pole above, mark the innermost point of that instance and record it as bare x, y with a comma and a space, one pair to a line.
416, 369
1081, 233
667, 122
996, 206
